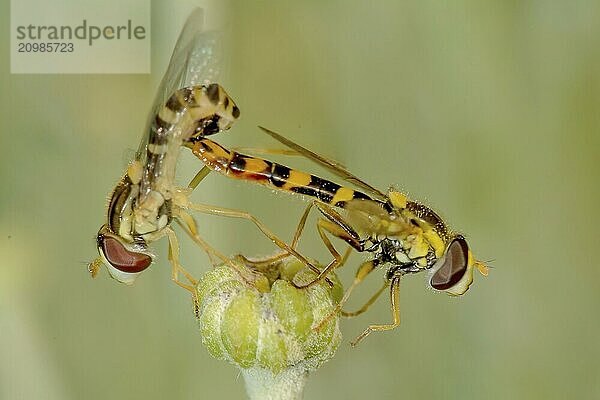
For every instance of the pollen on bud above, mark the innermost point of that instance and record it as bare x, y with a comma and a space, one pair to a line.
264, 322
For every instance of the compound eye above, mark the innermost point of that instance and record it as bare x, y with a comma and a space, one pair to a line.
122, 259
454, 265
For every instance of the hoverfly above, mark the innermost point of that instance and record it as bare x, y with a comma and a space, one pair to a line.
402, 234
188, 106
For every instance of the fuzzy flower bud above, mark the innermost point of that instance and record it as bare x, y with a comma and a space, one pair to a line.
265, 325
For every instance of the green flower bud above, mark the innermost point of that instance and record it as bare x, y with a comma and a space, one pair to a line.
265, 325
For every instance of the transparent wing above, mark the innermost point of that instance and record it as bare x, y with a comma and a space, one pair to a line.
195, 60
330, 165
368, 216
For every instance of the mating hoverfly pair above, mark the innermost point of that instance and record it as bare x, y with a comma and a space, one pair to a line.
402, 234
188, 107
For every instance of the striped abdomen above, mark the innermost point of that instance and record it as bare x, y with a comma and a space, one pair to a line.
189, 113
271, 174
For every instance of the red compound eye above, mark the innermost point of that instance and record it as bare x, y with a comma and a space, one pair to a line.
454, 265
122, 259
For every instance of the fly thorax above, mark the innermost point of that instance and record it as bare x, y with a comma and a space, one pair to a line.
391, 225
152, 213
412, 253
164, 186
399, 228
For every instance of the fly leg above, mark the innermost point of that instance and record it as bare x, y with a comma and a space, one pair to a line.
176, 267
362, 272
269, 261
213, 210
334, 225
231, 213
395, 306
369, 303
198, 177
188, 223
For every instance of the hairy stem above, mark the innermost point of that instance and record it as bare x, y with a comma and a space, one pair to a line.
265, 385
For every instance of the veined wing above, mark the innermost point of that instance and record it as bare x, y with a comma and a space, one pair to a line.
367, 216
195, 60
330, 165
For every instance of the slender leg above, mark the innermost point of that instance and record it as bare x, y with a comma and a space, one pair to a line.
176, 267
338, 261
212, 253
324, 226
190, 226
262, 264
395, 305
198, 177
339, 227
301, 225
268, 261
226, 212
369, 303
362, 272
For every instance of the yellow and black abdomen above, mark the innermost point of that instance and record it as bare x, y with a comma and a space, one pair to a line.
272, 174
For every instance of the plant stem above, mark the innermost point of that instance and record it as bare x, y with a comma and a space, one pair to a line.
264, 385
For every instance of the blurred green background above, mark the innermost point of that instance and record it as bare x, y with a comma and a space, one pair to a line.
487, 111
